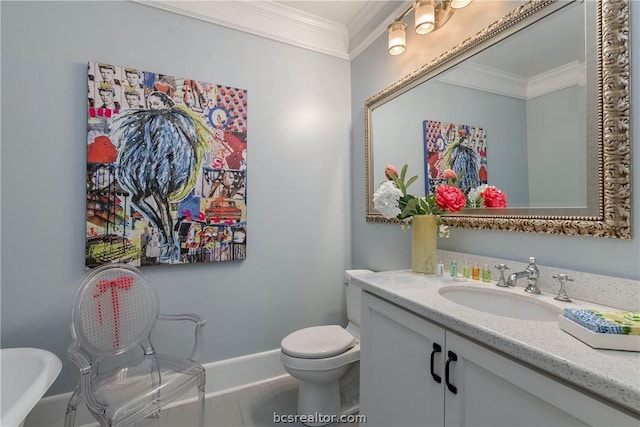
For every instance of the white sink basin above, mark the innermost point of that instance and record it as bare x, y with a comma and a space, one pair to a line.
502, 303
26, 375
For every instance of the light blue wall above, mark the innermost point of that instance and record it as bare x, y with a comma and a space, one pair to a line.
556, 132
298, 182
385, 246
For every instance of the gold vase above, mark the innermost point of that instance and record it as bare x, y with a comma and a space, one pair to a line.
424, 244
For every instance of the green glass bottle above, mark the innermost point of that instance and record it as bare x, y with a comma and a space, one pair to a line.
486, 274
466, 270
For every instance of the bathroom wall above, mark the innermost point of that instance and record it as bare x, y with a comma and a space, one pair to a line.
298, 175
556, 131
386, 247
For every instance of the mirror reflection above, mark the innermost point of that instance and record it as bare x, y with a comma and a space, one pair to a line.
518, 109
558, 147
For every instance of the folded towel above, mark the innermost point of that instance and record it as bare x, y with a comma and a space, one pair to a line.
623, 323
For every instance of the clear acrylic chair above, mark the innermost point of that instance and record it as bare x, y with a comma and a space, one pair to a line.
122, 379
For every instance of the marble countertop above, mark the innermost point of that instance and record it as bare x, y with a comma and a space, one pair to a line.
613, 375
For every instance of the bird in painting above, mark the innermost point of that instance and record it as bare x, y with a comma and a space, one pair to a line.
465, 162
160, 152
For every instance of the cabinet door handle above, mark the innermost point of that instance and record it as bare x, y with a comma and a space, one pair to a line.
452, 358
436, 349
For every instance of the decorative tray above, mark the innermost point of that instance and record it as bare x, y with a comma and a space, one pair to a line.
598, 340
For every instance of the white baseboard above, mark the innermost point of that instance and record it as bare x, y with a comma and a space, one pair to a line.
222, 377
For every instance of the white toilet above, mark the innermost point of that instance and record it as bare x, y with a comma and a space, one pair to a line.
320, 355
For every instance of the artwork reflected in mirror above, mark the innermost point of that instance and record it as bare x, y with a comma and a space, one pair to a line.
461, 148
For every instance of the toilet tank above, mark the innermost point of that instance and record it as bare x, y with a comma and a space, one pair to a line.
353, 295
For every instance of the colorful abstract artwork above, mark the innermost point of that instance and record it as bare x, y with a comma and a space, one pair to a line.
166, 169
462, 148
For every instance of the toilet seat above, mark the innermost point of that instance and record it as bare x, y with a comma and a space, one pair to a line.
318, 342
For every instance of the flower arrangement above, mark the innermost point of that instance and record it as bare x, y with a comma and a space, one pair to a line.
392, 200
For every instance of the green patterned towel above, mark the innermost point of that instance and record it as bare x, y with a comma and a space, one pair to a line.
624, 323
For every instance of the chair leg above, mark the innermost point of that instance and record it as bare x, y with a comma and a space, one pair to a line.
156, 379
201, 404
70, 416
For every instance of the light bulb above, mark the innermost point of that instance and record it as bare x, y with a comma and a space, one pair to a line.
397, 37
459, 4
425, 16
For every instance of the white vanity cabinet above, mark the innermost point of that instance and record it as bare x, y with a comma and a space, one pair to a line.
403, 356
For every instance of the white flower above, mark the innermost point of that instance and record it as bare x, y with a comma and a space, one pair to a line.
474, 195
386, 199
443, 231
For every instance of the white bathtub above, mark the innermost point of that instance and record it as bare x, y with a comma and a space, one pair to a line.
25, 374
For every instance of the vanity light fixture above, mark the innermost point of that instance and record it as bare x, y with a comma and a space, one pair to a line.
397, 37
429, 16
425, 15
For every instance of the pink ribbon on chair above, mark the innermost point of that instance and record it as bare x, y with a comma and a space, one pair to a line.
103, 286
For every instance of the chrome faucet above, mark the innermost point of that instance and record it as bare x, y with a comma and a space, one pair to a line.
531, 273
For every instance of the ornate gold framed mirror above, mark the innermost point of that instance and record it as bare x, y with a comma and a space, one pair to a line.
597, 158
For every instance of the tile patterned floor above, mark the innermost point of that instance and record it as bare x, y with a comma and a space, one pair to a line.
253, 406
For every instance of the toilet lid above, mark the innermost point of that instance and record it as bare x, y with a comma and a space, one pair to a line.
318, 342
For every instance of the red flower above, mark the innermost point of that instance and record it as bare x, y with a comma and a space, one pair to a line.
450, 198
390, 168
101, 150
494, 198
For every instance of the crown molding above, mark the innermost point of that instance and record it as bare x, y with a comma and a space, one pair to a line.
265, 19
488, 79
287, 25
573, 73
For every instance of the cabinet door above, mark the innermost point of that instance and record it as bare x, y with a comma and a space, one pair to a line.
396, 383
495, 391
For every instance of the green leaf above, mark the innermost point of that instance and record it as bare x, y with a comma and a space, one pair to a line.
425, 205
403, 172
411, 181
458, 180
401, 187
410, 208
432, 207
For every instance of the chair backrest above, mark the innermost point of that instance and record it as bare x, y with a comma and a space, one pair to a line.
114, 309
